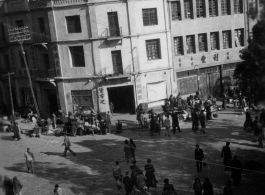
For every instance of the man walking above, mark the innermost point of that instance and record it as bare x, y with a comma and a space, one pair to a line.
175, 121
111, 107
227, 155
167, 125
236, 170
17, 186
199, 156
127, 183
29, 158
67, 145
117, 175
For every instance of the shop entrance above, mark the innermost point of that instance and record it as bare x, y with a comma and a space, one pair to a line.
122, 98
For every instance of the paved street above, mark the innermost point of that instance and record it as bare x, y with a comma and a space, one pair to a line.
90, 172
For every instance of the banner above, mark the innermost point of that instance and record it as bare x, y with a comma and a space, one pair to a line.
156, 91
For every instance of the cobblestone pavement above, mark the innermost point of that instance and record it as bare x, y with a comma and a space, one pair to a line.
90, 172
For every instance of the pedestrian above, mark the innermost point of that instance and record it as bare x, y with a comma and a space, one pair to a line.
107, 123
202, 121
111, 107
167, 125
228, 190
256, 126
145, 191
17, 186
224, 100
134, 172
128, 185
16, 131
140, 181
29, 159
171, 101
227, 155
207, 187
74, 125
152, 125
127, 151
168, 188
262, 117
133, 148
207, 106
175, 122
57, 190
117, 175
248, 122
8, 186
236, 168
54, 117
197, 187
199, 156
150, 174
67, 145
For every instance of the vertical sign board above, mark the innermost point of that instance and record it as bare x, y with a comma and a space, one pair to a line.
56, 60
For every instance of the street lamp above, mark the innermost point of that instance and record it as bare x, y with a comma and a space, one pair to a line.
21, 34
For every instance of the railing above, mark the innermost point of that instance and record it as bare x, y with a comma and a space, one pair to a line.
39, 4
63, 2
40, 38
114, 32
43, 73
127, 70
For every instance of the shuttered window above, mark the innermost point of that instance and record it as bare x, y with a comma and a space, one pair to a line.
225, 7
82, 98
175, 9
190, 44
214, 41
73, 24
200, 8
212, 8
238, 6
178, 47
187, 9
202, 42
153, 49
226, 39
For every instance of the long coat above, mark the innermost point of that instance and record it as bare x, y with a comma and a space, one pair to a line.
150, 175
227, 155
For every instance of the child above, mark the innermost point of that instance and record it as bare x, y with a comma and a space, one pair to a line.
57, 190
167, 125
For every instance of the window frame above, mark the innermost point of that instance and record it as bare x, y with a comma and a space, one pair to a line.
217, 41
228, 38
41, 25
73, 60
213, 4
175, 11
200, 9
75, 26
178, 49
202, 45
188, 15
225, 7
147, 15
193, 44
238, 6
157, 54
241, 39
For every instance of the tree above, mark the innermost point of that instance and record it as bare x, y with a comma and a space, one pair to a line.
250, 74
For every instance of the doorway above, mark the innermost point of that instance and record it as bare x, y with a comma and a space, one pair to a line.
122, 98
52, 100
114, 30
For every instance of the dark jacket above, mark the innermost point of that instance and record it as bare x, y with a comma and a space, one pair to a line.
127, 182
207, 188
199, 154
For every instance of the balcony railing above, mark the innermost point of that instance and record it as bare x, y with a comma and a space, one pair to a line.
43, 73
63, 2
39, 4
114, 32
40, 38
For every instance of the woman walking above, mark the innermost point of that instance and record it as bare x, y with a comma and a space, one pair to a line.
132, 148
127, 151
150, 174
197, 187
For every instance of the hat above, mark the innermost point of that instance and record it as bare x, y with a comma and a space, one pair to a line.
148, 160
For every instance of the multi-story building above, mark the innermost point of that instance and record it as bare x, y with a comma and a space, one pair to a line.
207, 36
100, 51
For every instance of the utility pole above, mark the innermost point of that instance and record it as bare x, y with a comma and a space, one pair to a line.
10, 90
21, 34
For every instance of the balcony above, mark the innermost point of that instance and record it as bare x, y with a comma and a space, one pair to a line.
43, 74
39, 4
40, 38
67, 2
112, 33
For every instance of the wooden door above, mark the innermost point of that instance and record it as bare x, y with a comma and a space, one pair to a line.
113, 24
117, 62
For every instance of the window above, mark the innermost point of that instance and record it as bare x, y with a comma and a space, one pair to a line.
238, 6
190, 44
252, 4
114, 30
187, 8
200, 8
202, 42
212, 8
178, 47
82, 98
19, 23
117, 62
239, 39
225, 7
153, 49
46, 61
150, 17
21, 58
214, 41
175, 9
41, 25
77, 54
73, 24
226, 39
